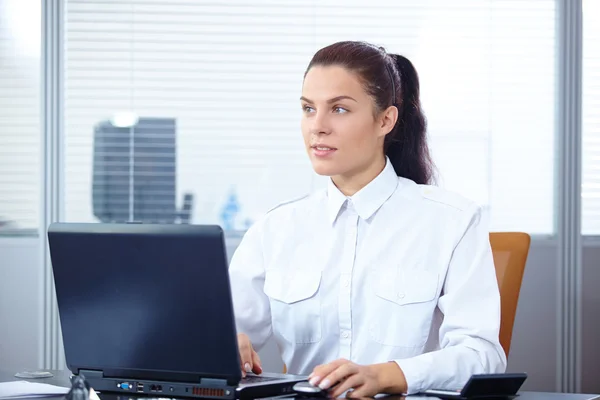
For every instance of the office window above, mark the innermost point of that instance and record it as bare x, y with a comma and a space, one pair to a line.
590, 180
192, 108
20, 25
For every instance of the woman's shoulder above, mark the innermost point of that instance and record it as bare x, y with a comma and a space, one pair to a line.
298, 206
440, 206
438, 197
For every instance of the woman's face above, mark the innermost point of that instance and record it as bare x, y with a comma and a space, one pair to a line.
342, 134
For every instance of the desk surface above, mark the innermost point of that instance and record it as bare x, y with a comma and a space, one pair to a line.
61, 378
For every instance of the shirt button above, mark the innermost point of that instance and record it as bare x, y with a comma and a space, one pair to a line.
345, 334
400, 295
346, 283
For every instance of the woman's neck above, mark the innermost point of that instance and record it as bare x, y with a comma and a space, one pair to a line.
352, 182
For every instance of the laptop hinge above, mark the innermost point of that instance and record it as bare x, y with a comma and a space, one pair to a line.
91, 374
213, 381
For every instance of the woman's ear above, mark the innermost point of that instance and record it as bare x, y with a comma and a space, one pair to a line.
388, 120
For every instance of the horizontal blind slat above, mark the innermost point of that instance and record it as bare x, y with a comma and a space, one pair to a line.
20, 136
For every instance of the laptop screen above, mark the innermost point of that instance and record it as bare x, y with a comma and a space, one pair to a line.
144, 297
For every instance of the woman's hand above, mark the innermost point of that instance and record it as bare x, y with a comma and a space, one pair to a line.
363, 380
249, 359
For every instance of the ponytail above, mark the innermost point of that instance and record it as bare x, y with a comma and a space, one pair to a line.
406, 144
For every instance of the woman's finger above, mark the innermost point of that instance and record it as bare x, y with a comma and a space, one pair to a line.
337, 375
365, 390
245, 356
256, 364
352, 382
321, 371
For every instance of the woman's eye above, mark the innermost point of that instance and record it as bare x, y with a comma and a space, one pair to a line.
307, 109
340, 110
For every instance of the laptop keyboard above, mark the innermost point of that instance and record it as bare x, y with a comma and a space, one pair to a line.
257, 379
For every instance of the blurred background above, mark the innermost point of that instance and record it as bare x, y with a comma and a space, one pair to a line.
187, 111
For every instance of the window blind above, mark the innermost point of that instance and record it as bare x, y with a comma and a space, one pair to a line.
229, 74
590, 180
19, 115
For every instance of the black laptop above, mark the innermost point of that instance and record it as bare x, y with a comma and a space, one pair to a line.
148, 309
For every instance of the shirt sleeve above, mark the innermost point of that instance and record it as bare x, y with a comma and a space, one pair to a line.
470, 304
247, 277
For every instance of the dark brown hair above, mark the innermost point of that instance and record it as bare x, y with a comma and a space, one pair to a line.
406, 145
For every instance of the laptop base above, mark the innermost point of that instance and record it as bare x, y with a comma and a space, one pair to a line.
206, 388
281, 385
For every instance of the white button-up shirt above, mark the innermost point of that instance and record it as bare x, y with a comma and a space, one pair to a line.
398, 272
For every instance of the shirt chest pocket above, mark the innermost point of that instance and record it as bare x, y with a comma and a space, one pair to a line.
404, 303
295, 304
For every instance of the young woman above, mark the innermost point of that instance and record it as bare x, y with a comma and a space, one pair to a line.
382, 283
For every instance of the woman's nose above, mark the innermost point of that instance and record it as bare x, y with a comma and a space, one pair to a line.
321, 124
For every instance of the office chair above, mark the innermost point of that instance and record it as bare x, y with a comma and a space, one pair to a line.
510, 250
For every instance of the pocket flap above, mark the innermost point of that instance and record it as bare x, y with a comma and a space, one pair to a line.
411, 286
291, 286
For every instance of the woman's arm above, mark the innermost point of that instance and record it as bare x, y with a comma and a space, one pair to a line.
247, 276
470, 303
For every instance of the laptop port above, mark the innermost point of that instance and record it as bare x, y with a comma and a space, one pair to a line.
156, 388
140, 388
125, 385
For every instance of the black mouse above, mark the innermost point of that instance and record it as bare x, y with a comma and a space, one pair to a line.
305, 389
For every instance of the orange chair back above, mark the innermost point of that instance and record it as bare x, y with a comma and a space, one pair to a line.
510, 250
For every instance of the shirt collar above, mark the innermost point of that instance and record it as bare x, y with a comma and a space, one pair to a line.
367, 200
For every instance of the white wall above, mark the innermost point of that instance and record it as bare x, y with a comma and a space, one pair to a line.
534, 345
591, 316
21, 315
